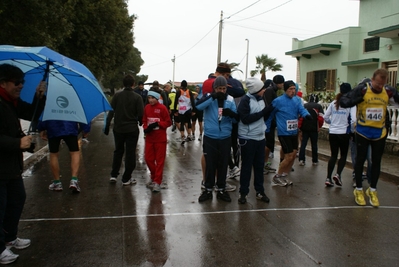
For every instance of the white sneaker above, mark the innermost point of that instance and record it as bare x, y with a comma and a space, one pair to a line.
302, 163
7, 257
233, 173
130, 181
18, 243
112, 180
229, 187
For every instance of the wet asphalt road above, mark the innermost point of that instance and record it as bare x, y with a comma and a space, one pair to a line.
111, 225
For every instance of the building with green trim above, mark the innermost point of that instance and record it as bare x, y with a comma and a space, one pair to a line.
353, 53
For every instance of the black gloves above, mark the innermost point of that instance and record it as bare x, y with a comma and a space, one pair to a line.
267, 110
151, 127
214, 95
221, 96
106, 130
308, 117
228, 112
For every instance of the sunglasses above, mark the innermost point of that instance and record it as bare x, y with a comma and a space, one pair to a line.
17, 83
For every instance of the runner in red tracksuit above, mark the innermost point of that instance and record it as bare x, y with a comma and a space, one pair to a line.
156, 120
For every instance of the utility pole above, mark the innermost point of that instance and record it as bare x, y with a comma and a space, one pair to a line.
220, 37
173, 82
246, 66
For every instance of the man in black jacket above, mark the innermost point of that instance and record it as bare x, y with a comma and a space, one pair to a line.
12, 143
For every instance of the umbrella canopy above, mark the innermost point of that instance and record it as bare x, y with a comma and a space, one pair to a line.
73, 92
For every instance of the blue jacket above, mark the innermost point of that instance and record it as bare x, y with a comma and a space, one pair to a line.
62, 128
286, 111
213, 128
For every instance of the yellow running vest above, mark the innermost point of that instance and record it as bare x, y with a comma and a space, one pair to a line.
372, 111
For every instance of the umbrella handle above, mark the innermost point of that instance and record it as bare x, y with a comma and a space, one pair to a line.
45, 76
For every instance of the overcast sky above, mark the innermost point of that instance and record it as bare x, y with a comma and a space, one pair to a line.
189, 30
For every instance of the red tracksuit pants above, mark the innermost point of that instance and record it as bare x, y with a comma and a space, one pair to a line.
155, 154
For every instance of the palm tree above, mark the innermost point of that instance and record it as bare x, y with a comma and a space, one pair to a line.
265, 63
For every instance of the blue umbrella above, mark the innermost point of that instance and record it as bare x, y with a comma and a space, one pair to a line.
73, 92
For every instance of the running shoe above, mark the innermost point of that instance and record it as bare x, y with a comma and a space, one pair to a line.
271, 155
129, 182
329, 182
302, 163
156, 188
359, 197
7, 257
202, 184
18, 243
229, 188
287, 181
373, 198
278, 181
223, 195
268, 169
233, 173
200, 137
112, 180
337, 179
74, 186
262, 197
55, 186
242, 199
164, 185
315, 163
150, 184
205, 195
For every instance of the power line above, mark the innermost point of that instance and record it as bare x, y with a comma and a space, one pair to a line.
264, 11
243, 9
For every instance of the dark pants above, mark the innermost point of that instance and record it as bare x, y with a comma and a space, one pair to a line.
314, 136
216, 153
338, 142
377, 149
124, 141
235, 160
252, 156
12, 200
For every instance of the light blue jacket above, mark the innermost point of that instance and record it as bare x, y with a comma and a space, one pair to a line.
213, 128
252, 128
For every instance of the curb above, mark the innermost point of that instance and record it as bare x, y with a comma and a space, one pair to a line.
31, 160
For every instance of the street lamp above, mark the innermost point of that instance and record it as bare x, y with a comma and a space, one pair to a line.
173, 60
246, 67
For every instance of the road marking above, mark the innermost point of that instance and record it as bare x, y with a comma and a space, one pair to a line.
203, 213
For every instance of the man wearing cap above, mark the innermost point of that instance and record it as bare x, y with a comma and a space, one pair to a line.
128, 112
270, 94
371, 99
12, 143
219, 114
141, 91
156, 120
163, 99
251, 136
286, 110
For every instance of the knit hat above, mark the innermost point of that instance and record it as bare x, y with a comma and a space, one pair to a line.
254, 85
183, 84
288, 84
268, 82
345, 88
219, 81
278, 79
154, 94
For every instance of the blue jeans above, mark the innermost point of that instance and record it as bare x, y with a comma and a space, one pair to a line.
252, 155
314, 136
122, 141
12, 201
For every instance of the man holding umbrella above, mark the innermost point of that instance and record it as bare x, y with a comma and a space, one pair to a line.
12, 143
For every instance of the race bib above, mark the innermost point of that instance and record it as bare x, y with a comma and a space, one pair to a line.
292, 125
153, 120
374, 114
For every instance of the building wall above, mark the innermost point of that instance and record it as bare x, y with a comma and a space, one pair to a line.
373, 16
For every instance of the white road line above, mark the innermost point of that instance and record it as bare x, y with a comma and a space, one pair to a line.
202, 213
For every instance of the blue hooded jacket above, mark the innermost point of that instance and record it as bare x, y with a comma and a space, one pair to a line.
62, 128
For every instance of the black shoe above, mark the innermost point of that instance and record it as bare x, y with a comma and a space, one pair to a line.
223, 195
242, 199
262, 197
329, 182
205, 195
